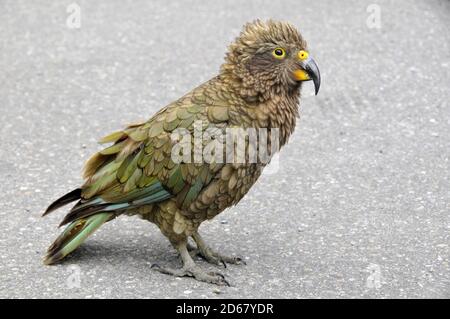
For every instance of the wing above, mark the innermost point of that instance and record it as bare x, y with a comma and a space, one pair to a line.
138, 169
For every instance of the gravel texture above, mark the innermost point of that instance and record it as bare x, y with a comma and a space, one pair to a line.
359, 204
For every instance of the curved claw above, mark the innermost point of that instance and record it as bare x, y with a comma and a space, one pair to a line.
240, 261
218, 274
155, 267
195, 272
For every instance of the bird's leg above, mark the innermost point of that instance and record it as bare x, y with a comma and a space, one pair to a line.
211, 256
192, 249
190, 269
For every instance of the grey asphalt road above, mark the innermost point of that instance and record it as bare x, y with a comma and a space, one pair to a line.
359, 206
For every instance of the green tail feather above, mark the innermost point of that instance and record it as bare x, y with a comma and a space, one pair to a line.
74, 235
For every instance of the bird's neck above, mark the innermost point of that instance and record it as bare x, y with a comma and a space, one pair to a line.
280, 112
272, 109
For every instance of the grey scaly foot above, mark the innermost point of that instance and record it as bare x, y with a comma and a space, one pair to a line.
211, 256
190, 269
195, 272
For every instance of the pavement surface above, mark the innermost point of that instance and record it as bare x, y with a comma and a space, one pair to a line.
359, 206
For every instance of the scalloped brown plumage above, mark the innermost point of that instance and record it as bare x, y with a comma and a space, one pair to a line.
136, 175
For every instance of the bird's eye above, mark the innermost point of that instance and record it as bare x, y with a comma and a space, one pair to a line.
279, 53
303, 55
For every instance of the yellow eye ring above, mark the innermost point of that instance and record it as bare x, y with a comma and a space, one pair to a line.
303, 55
279, 53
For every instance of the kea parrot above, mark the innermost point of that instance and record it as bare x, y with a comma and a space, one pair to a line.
258, 86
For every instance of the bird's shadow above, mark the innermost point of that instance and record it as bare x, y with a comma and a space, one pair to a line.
117, 253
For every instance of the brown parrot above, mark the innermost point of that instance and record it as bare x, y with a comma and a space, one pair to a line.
258, 87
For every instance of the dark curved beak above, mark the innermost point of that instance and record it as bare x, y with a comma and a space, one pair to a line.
308, 70
313, 71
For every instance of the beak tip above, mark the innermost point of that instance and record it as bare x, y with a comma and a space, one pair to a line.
317, 86
313, 71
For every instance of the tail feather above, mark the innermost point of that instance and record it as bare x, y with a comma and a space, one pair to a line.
74, 235
88, 214
66, 199
83, 212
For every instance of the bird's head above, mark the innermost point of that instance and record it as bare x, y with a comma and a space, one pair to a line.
270, 58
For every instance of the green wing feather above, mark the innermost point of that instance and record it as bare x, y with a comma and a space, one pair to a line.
74, 235
137, 169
